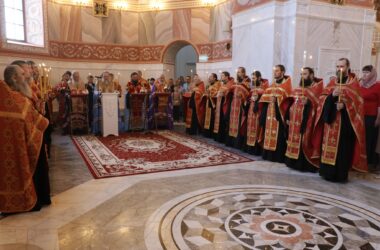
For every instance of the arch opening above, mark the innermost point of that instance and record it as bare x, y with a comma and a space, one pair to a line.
179, 59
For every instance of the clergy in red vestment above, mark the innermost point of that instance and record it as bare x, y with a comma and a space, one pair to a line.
134, 86
196, 107
211, 93
259, 85
145, 87
36, 91
45, 100
339, 134
41, 173
77, 85
300, 117
272, 116
221, 121
237, 100
22, 129
160, 85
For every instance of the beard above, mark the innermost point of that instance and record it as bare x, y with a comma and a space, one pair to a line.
240, 79
337, 73
22, 87
306, 82
135, 82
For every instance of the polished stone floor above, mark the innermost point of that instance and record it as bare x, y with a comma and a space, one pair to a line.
254, 205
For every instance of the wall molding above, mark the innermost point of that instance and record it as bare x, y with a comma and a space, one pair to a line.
125, 54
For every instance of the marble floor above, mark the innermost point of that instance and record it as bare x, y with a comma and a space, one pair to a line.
253, 205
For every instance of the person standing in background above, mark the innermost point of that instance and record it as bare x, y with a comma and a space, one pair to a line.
90, 86
370, 92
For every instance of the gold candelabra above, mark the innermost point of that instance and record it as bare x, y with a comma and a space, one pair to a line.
44, 79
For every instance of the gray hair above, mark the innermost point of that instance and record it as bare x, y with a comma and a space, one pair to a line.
24, 88
9, 72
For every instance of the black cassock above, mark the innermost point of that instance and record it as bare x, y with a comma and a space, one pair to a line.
339, 171
41, 180
221, 135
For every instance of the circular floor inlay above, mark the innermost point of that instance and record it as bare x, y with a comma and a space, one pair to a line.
291, 226
262, 217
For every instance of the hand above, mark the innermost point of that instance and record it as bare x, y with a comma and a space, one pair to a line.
273, 99
377, 122
339, 106
254, 98
337, 92
304, 101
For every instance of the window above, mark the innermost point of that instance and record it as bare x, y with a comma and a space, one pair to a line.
15, 20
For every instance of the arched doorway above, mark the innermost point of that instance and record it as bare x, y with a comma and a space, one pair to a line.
179, 59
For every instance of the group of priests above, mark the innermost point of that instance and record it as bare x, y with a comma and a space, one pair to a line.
309, 127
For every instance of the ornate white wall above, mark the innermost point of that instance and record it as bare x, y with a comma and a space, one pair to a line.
301, 33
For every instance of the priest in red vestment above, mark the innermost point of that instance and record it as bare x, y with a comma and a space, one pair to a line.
237, 101
145, 87
272, 116
259, 85
160, 85
299, 118
22, 129
221, 121
339, 134
196, 107
41, 173
134, 86
211, 93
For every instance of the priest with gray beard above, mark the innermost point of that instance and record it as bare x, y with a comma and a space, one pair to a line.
14, 77
16, 80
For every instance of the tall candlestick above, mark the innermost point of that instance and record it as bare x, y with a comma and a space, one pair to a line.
303, 82
340, 84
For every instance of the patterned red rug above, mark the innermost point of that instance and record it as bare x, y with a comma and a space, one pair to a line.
139, 153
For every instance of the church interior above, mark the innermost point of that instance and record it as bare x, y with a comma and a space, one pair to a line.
197, 124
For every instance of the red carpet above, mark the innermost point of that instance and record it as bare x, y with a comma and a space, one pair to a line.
139, 153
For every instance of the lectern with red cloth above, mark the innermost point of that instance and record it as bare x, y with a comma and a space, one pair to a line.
79, 113
138, 103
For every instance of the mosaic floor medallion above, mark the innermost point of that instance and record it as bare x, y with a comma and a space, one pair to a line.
262, 217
